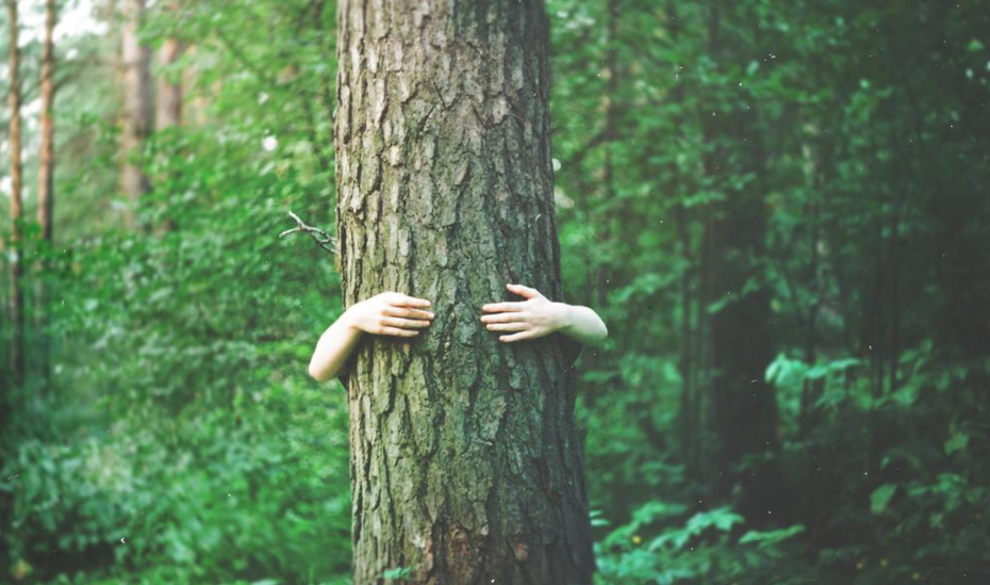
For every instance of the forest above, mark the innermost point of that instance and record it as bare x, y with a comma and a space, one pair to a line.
779, 208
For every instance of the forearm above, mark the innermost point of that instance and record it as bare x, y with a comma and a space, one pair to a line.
582, 324
334, 347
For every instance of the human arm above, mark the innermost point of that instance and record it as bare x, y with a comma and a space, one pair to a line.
387, 313
538, 317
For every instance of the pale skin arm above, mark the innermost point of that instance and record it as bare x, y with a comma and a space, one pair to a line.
388, 313
538, 317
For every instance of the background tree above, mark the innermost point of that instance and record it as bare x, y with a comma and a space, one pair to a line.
135, 57
744, 409
46, 175
465, 458
46, 152
17, 349
168, 98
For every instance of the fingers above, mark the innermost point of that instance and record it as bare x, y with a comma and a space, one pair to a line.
523, 291
397, 332
403, 300
501, 307
508, 326
394, 311
516, 336
504, 317
405, 323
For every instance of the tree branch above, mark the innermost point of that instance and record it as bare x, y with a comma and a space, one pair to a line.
322, 239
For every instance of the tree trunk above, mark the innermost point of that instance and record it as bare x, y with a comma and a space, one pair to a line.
16, 185
137, 103
687, 424
46, 170
744, 408
168, 95
466, 466
168, 106
46, 155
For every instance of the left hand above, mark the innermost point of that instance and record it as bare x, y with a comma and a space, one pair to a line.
533, 318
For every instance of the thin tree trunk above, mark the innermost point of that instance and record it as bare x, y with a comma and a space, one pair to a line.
46, 182
168, 99
607, 202
46, 155
705, 404
686, 417
466, 462
17, 358
137, 104
875, 344
812, 389
168, 95
197, 100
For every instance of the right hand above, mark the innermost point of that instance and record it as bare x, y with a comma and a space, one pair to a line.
391, 313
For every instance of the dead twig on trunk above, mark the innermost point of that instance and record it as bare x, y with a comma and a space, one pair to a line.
322, 239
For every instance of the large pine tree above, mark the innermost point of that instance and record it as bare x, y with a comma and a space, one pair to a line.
466, 463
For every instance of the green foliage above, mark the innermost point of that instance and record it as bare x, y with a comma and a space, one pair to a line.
874, 231
178, 439
705, 548
186, 443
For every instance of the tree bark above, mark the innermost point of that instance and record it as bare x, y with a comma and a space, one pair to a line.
46, 155
46, 182
16, 186
137, 103
168, 104
466, 465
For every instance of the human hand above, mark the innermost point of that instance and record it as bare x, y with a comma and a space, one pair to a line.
533, 318
390, 313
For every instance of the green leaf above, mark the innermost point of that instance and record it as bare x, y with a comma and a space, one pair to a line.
957, 442
881, 497
771, 537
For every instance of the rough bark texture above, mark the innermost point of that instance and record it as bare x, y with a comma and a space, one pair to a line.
46, 155
466, 465
16, 211
137, 101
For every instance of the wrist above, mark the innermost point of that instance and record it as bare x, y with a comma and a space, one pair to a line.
349, 320
564, 317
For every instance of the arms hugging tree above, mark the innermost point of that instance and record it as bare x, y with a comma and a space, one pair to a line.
466, 463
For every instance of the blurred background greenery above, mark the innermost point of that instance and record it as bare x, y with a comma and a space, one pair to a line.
791, 188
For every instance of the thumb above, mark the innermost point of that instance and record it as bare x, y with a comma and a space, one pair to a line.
523, 291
